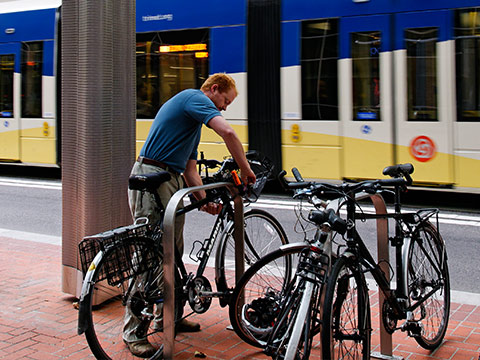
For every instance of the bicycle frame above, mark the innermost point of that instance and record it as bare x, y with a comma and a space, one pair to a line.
313, 269
207, 246
396, 297
418, 245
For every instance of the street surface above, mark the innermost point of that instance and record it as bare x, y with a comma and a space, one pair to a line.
31, 210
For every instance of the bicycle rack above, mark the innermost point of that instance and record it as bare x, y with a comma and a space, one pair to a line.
382, 254
168, 249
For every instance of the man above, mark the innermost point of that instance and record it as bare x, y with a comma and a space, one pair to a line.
172, 145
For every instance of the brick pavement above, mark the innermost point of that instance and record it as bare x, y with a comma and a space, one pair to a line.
38, 321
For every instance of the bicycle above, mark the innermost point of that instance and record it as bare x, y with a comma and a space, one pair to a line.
325, 305
422, 293
124, 265
265, 302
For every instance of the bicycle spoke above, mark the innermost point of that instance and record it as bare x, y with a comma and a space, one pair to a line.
428, 287
347, 331
260, 295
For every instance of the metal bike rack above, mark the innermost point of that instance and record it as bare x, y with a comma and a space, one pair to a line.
169, 257
383, 257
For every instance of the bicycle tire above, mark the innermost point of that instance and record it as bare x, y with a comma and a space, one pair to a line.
256, 299
105, 321
427, 268
304, 324
263, 234
282, 328
346, 330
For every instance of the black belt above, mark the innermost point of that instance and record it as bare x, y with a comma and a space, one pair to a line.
160, 164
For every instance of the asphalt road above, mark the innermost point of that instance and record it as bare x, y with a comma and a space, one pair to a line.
33, 205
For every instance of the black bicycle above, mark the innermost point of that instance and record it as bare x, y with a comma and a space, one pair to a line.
124, 266
320, 306
421, 298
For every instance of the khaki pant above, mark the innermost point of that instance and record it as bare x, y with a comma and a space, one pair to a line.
144, 205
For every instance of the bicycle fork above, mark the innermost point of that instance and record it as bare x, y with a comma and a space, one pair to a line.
312, 271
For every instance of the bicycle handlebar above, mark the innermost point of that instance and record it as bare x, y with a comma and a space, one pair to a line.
194, 204
291, 185
227, 171
297, 175
209, 163
400, 178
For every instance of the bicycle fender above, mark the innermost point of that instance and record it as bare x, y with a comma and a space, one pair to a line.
407, 240
348, 255
296, 245
83, 309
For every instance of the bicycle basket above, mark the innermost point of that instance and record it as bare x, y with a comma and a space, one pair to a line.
263, 170
261, 166
130, 254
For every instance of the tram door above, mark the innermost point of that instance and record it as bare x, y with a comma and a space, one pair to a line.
397, 97
424, 78
9, 129
467, 125
365, 95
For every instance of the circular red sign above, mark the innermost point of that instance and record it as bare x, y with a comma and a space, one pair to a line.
422, 148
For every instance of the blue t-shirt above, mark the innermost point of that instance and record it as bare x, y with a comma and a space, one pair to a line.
175, 132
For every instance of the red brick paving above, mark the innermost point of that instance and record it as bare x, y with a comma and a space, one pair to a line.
38, 321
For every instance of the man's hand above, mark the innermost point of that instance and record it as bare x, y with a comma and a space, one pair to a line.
212, 208
248, 176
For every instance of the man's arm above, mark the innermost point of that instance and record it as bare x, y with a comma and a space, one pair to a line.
192, 178
234, 146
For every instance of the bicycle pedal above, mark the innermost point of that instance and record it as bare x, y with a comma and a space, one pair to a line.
413, 328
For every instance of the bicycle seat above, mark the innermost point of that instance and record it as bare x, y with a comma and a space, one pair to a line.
398, 170
148, 182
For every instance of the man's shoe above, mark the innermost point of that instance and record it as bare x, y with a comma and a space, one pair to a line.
141, 348
187, 326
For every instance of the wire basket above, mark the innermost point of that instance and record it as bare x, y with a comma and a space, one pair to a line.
130, 248
263, 170
261, 166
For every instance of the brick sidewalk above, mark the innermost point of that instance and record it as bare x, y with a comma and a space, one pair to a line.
38, 321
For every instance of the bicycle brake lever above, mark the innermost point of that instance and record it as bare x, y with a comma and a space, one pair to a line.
388, 191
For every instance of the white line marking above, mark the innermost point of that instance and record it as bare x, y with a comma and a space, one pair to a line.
264, 203
23, 235
30, 184
460, 297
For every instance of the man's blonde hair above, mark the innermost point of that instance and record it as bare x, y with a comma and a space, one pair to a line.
224, 82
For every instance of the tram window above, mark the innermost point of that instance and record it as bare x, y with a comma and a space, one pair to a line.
467, 44
422, 73
167, 63
32, 64
319, 70
6, 85
366, 75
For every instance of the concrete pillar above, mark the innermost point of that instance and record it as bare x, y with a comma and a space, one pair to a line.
98, 107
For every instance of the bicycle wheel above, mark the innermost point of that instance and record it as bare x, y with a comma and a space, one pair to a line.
298, 325
138, 298
256, 300
296, 333
346, 331
428, 286
263, 234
